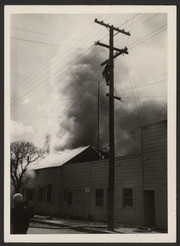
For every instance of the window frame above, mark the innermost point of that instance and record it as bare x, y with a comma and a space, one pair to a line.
65, 194
98, 200
130, 197
79, 197
71, 199
49, 193
40, 194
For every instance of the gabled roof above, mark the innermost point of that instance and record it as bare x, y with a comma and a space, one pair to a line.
59, 158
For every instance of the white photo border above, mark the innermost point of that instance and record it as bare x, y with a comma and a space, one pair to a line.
172, 50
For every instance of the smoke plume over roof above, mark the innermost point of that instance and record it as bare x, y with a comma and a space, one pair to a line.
77, 125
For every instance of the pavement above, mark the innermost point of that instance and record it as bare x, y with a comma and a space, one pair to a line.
86, 226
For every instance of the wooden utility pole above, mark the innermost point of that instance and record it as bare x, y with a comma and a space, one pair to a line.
98, 121
109, 76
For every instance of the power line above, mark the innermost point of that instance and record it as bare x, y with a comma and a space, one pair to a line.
33, 41
155, 82
63, 99
66, 109
123, 23
65, 65
88, 76
91, 46
137, 27
73, 83
138, 106
30, 31
59, 69
51, 76
64, 52
144, 97
69, 99
137, 145
139, 41
118, 27
133, 17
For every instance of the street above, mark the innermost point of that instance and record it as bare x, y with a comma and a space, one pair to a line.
35, 230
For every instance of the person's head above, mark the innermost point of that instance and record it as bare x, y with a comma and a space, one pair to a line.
18, 198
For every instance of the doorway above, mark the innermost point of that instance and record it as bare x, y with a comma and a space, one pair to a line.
149, 208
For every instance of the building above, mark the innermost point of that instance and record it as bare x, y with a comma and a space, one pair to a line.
75, 184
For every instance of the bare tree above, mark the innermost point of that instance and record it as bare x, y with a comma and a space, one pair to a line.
22, 154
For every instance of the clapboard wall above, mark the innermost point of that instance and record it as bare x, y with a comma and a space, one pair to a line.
44, 177
154, 155
91, 176
140, 173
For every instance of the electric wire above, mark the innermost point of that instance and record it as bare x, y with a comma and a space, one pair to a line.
33, 41
133, 17
88, 76
91, 30
137, 145
142, 85
145, 38
49, 77
136, 101
60, 69
70, 47
64, 111
30, 31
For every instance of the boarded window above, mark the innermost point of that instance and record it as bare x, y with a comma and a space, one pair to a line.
69, 198
79, 196
99, 197
29, 194
65, 196
128, 197
40, 194
49, 192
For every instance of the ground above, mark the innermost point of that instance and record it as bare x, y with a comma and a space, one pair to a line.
38, 228
52, 231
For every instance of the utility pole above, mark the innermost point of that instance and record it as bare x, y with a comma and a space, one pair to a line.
98, 121
108, 73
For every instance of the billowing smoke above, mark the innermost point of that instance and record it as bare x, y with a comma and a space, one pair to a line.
77, 125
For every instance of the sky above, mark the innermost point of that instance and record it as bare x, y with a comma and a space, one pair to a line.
55, 67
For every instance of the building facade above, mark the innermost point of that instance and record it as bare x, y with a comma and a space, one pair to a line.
80, 190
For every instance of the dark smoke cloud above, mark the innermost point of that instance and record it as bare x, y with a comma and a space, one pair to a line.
80, 119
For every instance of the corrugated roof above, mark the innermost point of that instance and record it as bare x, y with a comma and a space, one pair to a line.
57, 159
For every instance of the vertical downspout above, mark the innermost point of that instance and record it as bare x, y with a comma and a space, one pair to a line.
89, 212
61, 196
142, 178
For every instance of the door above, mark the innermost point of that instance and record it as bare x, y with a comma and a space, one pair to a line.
149, 208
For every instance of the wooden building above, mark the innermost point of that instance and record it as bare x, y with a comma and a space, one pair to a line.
78, 188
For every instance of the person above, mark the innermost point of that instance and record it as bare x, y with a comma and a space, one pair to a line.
19, 215
30, 208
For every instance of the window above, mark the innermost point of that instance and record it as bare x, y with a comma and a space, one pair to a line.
29, 194
79, 195
65, 196
127, 197
69, 198
41, 194
49, 192
99, 197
